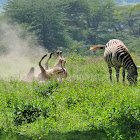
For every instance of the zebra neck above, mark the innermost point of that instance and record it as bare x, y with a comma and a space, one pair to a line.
128, 62
130, 66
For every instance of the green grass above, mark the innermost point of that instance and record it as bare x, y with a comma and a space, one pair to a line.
85, 106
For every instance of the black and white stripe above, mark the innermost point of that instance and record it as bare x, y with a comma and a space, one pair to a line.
117, 55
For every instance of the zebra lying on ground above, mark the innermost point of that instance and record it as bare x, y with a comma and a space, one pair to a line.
117, 55
58, 71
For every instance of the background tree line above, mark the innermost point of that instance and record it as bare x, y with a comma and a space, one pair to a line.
127, 1
75, 25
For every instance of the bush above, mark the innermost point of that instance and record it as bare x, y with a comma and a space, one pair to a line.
46, 89
27, 113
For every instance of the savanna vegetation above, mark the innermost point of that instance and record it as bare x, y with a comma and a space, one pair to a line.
85, 105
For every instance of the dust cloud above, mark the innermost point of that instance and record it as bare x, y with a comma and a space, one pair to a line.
20, 55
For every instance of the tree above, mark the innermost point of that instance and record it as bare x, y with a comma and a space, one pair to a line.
46, 17
90, 19
76, 23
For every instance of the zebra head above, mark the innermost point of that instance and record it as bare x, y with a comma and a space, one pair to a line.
132, 75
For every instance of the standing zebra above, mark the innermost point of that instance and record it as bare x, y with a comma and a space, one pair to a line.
117, 55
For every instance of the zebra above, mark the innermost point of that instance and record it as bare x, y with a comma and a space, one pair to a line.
58, 71
117, 55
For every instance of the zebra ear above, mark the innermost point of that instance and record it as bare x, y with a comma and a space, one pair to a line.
138, 67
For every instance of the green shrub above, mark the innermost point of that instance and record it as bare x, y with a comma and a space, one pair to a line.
27, 113
46, 89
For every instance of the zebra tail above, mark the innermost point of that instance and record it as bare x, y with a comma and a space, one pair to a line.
97, 47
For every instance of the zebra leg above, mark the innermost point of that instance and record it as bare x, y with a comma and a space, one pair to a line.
117, 73
110, 72
41, 68
46, 64
30, 76
123, 74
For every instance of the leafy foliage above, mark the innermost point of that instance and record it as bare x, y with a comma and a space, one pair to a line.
57, 22
26, 113
85, 105
74, 25
46, 90
45, 17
